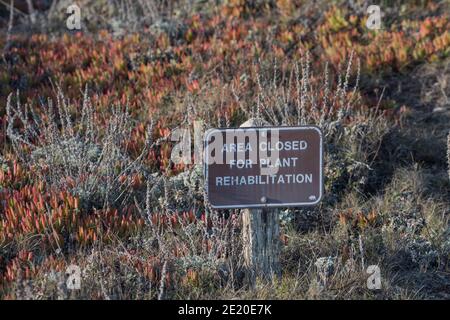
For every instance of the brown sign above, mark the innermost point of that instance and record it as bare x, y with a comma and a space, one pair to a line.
263, 167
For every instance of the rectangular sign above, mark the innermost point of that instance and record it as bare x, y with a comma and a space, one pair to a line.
263, 167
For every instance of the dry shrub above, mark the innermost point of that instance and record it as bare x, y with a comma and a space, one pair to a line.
78, 155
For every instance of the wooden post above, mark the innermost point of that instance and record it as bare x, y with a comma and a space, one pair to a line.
261, 236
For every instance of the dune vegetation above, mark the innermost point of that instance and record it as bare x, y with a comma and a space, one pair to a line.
86, 116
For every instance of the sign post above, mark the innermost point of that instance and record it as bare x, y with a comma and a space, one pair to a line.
259, 168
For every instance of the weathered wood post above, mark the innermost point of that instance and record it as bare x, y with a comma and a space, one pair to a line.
261, 236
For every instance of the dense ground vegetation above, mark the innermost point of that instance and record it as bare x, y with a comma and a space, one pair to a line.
85, 172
